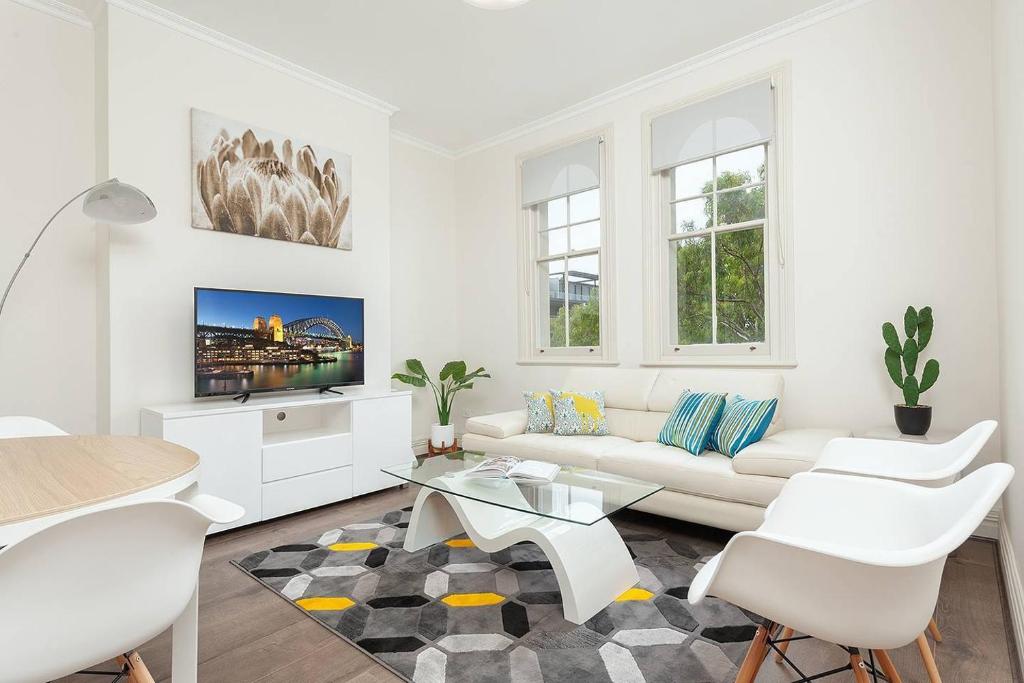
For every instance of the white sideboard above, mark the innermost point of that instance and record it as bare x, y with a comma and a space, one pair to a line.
278, 455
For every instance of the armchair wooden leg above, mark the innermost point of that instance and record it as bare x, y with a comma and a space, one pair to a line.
929, 660
933, 628
137, 671
787, 632
888, 668
860, 672
756, 654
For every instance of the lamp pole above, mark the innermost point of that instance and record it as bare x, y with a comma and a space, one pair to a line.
28, 253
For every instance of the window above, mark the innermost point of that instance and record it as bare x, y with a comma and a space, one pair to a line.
563, 247
717, 287
716, 249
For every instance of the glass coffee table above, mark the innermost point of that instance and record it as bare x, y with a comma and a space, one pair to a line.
566, 518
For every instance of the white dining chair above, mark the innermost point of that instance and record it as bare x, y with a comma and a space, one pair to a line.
96, 586
15, 426
854, 561
916, 463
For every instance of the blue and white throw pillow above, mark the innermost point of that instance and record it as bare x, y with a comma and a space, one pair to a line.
692, 421
744, 422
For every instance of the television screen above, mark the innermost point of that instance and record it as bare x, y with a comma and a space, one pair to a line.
265, 341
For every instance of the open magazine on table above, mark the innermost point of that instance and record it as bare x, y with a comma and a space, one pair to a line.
509, 467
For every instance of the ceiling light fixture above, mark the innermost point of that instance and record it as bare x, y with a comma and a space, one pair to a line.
495, 4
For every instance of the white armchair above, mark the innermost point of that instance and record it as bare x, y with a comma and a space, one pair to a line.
850, 560
916, 463
96, 586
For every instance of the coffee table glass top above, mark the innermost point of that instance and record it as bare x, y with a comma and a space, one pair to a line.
576, 495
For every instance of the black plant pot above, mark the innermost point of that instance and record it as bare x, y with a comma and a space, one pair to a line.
913, 420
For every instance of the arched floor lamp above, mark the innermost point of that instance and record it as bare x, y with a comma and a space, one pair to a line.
110, 202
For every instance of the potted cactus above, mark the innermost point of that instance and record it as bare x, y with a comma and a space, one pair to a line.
911, 417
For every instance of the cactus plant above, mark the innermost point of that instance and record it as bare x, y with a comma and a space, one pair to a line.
918, 327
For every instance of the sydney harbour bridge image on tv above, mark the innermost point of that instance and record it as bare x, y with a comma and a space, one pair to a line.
271, 353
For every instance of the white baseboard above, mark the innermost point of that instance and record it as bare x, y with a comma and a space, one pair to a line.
990, 527
419, 446
1014, 589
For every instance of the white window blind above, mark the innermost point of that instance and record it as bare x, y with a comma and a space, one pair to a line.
564, 171
735, 119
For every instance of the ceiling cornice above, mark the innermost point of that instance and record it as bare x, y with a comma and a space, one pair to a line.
60, 10
422, 144
192, 29
750, 41
188, 27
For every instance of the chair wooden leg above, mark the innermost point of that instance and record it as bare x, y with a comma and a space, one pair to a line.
929, 660
888, 668
860, 672
137, 670
755, 655
787, 632
933, 628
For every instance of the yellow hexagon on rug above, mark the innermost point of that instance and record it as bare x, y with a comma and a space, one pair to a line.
325, 604
459, 543
635, 594
472, 599
351, 547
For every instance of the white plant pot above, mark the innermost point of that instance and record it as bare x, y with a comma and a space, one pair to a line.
442, 436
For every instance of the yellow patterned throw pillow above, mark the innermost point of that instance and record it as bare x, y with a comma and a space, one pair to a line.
540, 414
579, 412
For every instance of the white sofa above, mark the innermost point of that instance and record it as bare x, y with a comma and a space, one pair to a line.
710, 489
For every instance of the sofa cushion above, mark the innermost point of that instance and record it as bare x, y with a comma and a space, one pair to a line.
638, 425
785, 453
574, 451
625, 388
673, 381
710, 475
498, 425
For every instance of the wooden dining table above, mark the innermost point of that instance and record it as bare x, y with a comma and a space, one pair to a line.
47, 479
44, 479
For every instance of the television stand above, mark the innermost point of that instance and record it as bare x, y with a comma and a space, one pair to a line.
328, 390
243, 397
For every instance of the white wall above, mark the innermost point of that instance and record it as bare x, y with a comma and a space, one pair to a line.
423, 291
155, 75
47, 332
1008, 62
892, 171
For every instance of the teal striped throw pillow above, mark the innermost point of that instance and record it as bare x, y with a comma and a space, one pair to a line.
692, 421
744, 422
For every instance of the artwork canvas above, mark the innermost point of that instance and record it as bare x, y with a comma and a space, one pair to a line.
252, 181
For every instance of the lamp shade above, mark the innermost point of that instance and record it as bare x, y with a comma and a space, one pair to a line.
117, 202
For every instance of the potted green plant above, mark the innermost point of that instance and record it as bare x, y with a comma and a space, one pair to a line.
911, 417
452, 379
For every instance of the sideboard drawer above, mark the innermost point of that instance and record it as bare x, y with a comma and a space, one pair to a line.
308, 491
294, 458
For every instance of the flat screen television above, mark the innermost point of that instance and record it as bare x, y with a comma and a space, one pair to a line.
248, 342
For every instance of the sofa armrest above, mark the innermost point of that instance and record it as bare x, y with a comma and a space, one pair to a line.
498, 425
785, 453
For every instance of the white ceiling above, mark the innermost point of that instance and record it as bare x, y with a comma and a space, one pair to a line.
461, 75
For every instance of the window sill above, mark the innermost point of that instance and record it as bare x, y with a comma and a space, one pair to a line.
567, 360
712, 362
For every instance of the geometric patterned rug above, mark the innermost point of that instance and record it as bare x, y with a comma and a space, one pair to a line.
452, 613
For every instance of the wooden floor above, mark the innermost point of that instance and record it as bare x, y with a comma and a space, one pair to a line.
247, 633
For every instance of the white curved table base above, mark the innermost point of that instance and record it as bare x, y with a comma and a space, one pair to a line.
591, 563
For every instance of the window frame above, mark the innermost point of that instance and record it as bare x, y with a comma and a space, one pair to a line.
660, 305
531, 299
